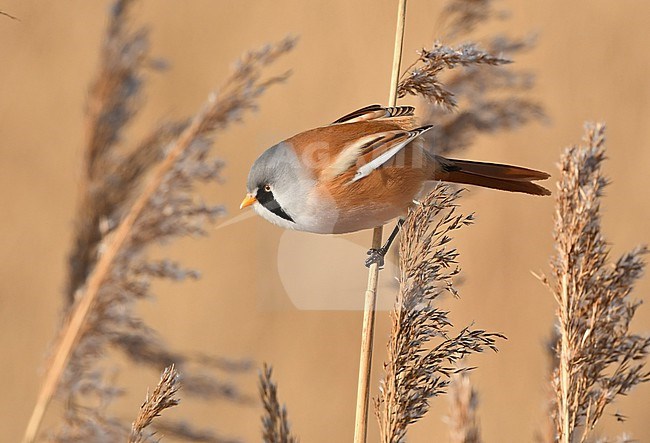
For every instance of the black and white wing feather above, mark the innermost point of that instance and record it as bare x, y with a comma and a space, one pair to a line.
374, 112
369, 153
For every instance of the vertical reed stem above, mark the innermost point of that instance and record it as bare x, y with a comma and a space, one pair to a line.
367, 332
564, 415
397, 53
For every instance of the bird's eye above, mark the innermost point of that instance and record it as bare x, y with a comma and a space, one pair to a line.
267, 188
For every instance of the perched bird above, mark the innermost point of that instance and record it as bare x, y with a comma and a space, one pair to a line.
362, 171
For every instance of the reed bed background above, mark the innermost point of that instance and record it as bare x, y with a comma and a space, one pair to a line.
249, 312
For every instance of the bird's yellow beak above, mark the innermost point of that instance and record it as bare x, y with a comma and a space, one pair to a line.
249, 200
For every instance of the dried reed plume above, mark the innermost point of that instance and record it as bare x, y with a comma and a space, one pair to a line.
114, 99
462, 419
423, 79
418, 367
135, 196
163, 397
275, 425
487, 95
598, 357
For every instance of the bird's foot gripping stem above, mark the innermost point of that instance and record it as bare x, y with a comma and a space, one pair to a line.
377, 255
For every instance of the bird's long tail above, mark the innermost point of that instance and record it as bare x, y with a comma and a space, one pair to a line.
490, 175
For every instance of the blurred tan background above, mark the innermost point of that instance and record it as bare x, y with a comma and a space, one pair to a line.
592, 62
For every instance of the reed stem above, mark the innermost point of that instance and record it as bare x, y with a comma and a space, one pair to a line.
79, 315
367, 331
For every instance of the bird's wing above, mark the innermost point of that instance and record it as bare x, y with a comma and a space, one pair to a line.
374, 112
368, 153
386, 150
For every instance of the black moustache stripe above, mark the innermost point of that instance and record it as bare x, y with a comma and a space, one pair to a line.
267, 200
275, 208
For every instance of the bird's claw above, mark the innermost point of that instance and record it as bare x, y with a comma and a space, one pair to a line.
375, 256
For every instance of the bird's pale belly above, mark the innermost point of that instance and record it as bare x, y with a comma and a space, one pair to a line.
368, 218
328, 215
337, 222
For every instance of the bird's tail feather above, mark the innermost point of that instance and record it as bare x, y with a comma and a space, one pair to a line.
490, 175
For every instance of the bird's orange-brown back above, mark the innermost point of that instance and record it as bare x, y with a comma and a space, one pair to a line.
319, 147
386, 192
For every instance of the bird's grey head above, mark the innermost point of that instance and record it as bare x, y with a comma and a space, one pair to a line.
275, 181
